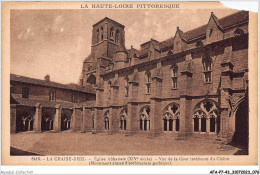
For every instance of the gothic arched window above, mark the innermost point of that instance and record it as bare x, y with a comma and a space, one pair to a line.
117, 36
101, 33
205, 117
123, 116
171, 117
145, 118
112, 33
91, 80
97, 35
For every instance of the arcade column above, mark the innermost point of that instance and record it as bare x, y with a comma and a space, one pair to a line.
57, 118
13, 118
37, 118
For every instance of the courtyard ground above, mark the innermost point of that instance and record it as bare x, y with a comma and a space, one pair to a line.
75, 143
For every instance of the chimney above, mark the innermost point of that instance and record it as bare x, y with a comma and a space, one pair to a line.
47, 78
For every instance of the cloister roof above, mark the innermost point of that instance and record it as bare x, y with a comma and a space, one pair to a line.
23, 79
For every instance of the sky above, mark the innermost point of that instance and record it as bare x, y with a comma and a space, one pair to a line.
56, 42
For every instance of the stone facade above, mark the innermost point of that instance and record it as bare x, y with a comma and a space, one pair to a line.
193, 84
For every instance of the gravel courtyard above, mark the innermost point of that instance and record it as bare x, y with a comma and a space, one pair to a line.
74, 143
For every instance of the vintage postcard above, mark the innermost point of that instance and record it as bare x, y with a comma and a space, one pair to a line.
129, 83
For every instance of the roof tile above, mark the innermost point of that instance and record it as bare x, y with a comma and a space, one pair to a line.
23, 79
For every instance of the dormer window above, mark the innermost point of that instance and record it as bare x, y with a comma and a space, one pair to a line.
207, 70
210, 32
177, 42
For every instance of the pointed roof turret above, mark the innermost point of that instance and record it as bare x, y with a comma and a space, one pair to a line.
216, 20
182, 34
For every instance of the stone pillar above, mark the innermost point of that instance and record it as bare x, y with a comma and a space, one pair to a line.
37, 118
57, 118
148, 124
174, 125
13, 118
225, 132
168, 123
182, 114
89, 113
113, 119
132, 120
193, 125
29, 125
84, 120
142, 125
216, 125
77, 118
199, 125
98, 120
207, 125
155, 117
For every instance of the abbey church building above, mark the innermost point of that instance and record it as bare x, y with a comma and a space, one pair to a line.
193, 84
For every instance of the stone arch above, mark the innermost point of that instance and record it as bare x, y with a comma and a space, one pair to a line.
171, 117
106, 120
66, 116
91, 80
47, 119
206, 116
144, 118
24, 119
241, 116
27, 122
123, 117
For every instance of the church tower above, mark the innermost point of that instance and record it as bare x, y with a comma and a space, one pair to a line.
108, 36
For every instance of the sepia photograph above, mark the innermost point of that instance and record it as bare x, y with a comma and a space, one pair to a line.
151, 80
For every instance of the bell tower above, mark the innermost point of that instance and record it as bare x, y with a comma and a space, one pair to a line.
108, 37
